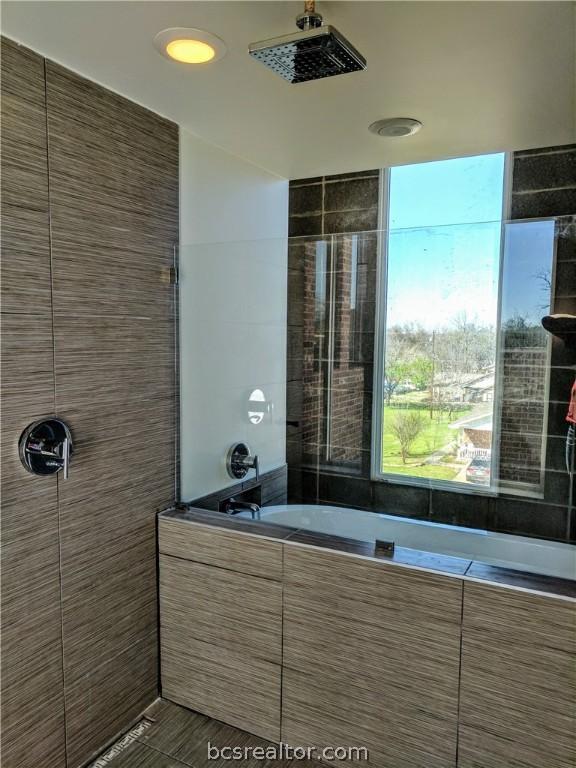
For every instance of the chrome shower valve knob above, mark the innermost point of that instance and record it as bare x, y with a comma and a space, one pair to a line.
239, 461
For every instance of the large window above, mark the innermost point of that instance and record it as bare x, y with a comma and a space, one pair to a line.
448, 315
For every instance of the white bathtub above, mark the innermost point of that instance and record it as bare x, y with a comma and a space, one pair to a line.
534, 555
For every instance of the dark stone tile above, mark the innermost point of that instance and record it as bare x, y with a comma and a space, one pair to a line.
295, 342
545, 150
302, 226
566, 238
557, 424
294, 453
306, 199
294, 397
302, 486
513, 578
532, 205
561, 376
533, 172
351, 221
565, 279
556, 453
404, 500
296, 297
230, 522
465, 509
400, 555
275, 485
528, 518
330, 541
351, 195
557, 487
305, 182
354, 492
353, 175
565, 306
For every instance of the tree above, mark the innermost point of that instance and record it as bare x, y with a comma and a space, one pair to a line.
420, 372
406, 426
396, 365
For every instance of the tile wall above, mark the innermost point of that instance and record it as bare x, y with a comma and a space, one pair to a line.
330, 379
90, 222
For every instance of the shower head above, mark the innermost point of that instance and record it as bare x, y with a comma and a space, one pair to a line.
317, 51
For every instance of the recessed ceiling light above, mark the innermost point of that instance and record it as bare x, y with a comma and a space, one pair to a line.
396, 127
189, 46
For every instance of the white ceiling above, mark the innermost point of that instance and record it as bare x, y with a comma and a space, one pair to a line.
481, 76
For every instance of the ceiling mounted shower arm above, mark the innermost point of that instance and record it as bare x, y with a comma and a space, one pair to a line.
310, 19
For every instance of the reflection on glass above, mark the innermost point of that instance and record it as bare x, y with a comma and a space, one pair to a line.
524, 348
258, 407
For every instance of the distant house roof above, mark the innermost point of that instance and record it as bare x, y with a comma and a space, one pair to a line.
478, 421
482, 383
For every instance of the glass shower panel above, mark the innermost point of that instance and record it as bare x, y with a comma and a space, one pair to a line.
232, 358
524, 352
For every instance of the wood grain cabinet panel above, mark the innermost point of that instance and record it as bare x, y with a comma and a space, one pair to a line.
518, 680
214, 546
231, 610
424, 596
224, 683
371, 656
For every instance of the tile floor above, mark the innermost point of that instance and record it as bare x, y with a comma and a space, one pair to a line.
178, 738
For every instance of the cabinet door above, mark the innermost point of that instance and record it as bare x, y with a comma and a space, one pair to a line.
221, 643
371, 657
518, 684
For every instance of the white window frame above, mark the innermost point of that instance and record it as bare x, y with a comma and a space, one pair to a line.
380, 353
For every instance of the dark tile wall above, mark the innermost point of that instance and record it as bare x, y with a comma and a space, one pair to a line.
544, 184
269, 490
88, 334
331, 300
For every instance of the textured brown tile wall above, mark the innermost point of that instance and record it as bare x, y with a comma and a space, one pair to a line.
91, 314
31, 668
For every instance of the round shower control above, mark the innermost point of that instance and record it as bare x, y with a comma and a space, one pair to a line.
45, 447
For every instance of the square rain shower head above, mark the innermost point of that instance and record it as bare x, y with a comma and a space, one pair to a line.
309, 55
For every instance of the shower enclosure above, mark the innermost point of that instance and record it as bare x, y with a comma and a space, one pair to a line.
403, 371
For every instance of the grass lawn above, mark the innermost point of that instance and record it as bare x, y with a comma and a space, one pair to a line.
435, 435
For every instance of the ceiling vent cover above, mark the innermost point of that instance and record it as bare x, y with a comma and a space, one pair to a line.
396, 127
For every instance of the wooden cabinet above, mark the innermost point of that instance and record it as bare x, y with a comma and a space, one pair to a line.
323, 648
221, 626
518, 683
225, 549
371, 658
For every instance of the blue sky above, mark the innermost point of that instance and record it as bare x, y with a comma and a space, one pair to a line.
444, 241
444, 246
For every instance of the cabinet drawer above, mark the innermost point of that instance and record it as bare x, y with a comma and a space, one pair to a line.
224, 608
549, 622
416, 595
226, 549
224, 684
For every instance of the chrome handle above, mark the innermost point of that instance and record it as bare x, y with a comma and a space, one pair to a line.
65, 457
